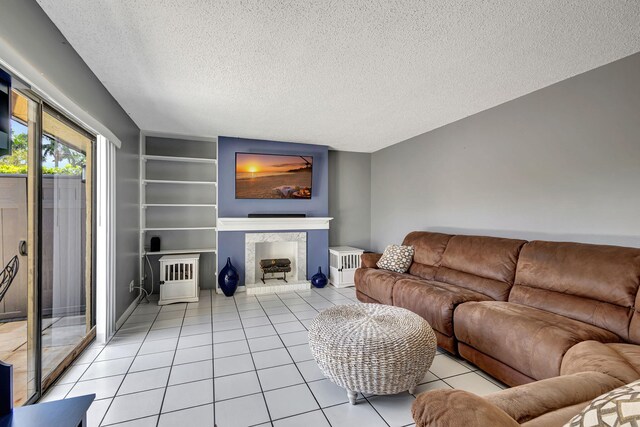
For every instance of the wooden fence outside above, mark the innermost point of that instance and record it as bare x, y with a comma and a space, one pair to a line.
63, 244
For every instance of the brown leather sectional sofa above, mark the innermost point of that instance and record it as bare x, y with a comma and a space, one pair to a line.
513, 308
589, 369
558, 320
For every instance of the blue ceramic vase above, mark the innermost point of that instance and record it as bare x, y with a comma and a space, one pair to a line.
319, 280
228, 279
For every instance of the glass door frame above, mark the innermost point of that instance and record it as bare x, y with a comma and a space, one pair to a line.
90, 277
34, 240
34, 337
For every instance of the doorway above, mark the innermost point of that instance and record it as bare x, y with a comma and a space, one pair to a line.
47, 221
66, 245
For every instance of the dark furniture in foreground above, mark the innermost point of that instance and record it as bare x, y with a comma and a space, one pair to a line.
70, 412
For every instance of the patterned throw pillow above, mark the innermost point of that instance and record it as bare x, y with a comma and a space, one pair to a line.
396, 258
619, 408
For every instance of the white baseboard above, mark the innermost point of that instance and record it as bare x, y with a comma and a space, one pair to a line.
126, 314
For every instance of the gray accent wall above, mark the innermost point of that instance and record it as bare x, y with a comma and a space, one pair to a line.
25, 26
561, 163
350, 199
127, 220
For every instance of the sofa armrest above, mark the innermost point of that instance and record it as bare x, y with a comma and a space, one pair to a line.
621, 361
449, 408
369, 260
532, 400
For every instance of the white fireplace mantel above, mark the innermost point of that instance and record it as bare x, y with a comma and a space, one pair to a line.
273, 224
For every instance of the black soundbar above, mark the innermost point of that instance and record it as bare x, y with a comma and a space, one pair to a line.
277, 215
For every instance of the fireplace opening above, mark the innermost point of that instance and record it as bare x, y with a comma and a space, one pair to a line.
273, 267
285, 249
261, 249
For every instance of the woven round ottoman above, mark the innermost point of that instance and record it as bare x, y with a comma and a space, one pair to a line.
372, 348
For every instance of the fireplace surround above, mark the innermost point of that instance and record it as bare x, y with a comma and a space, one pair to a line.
291, 245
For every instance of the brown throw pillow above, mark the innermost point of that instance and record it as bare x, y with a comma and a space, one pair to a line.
396, 258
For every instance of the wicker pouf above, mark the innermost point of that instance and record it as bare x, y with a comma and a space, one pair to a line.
372, 348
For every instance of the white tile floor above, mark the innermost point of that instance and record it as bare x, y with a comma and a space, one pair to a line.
241, 361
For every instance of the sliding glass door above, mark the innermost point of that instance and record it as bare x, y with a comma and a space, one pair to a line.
18, 232
47, 232
66, 244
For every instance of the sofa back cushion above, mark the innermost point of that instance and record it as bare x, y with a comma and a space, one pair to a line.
634, 326
429, 248
595, 284
482, 264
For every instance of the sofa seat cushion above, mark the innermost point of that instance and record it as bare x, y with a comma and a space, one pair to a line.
434, 301
378, 284
527, 339
621, 361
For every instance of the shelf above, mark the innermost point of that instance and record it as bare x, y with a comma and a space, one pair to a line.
179, 159
181, 251
178, 200
175, 228
271, 224
165, 181
179, 205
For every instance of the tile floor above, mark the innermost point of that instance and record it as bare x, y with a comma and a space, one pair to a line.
241, 361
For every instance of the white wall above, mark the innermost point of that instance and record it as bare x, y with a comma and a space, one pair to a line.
562, 163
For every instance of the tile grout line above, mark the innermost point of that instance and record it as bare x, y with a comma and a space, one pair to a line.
212, 292
264, 398
91, 363
305, 380
294, 363
125, 375
167, 386
362, 394
171, 366
244, 395
283, 305
142, 370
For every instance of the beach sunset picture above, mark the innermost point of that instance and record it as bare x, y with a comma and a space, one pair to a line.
270, 176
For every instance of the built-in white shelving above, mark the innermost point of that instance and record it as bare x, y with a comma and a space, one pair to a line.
182, 251
175, 228
179, 159
266, 224
178, 201
179, 205
181, 182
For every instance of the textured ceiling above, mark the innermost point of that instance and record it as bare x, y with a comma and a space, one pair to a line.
353, 75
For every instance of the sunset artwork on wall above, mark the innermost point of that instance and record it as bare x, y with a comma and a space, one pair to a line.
273, 176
